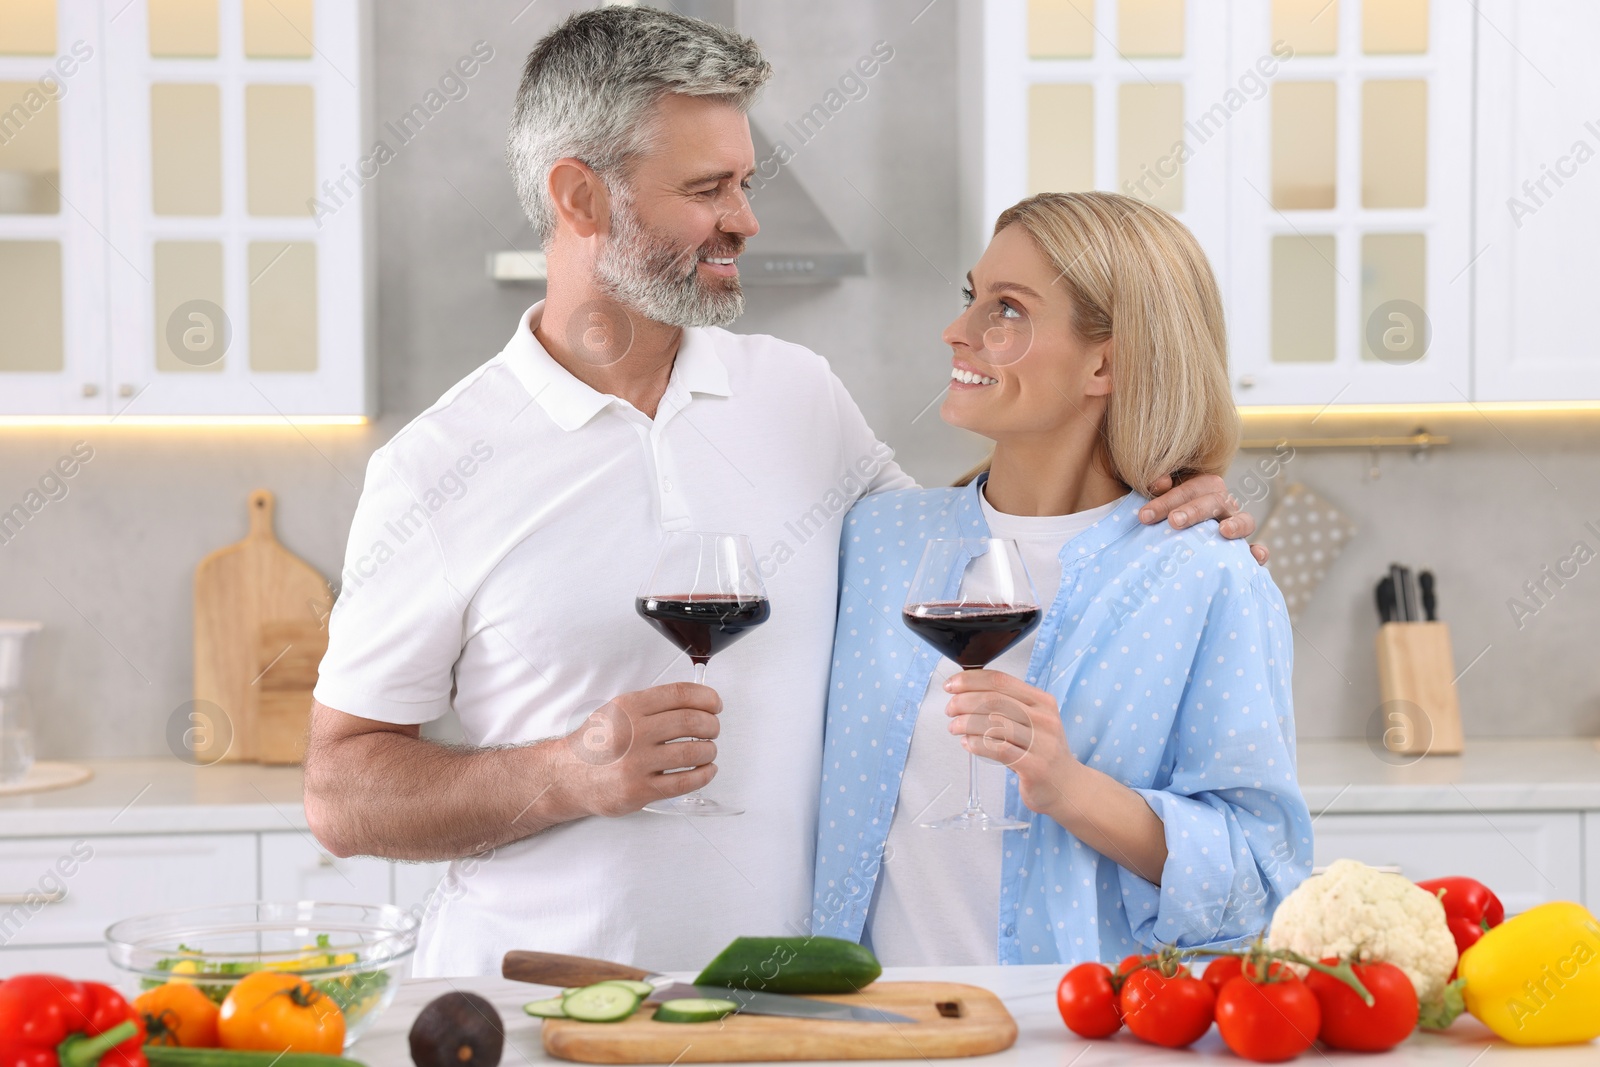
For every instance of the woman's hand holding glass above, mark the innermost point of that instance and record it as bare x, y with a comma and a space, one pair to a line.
1003, 718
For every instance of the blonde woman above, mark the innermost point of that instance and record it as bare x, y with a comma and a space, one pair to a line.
1144, 730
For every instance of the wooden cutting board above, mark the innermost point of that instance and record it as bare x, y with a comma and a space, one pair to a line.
951, 1020
288, 655
237, 589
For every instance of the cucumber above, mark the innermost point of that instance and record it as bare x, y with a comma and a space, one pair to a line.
603, 1003
173, 1056
694, 1010
549, 1008
641, 989
792, 965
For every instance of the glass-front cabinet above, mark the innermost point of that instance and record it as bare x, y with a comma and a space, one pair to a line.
182, 227
1325, 153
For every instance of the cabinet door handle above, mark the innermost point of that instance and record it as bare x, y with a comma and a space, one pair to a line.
55, 896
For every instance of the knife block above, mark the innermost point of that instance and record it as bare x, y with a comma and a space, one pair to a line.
1416, 668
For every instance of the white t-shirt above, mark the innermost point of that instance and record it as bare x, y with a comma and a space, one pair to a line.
938, 894
494, 559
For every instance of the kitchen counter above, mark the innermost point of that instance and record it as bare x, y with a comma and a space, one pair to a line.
161, 796
169, 796
1029, 994
1493, 774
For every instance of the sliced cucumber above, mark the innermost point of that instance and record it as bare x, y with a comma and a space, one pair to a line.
546, 1009
641, 989
694, 1010
603, 1003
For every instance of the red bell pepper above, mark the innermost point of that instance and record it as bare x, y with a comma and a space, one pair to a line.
47, 1021
1470, 909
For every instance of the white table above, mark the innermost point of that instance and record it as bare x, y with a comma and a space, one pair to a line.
1042, 1040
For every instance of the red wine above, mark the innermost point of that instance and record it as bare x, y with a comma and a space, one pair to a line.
973, 635
703, 624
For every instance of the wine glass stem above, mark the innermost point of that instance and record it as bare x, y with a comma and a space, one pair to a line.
697, 797
973, 803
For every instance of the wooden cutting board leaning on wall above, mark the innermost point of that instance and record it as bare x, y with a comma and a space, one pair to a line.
241, 594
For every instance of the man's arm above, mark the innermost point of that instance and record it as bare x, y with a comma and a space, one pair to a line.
376, 788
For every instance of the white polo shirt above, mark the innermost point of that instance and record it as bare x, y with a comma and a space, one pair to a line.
494, 558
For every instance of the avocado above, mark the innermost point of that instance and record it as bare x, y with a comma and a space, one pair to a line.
457, 1030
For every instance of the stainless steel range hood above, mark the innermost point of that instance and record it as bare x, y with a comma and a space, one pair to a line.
797, 244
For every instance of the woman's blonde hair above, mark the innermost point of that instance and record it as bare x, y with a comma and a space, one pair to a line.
1137, 276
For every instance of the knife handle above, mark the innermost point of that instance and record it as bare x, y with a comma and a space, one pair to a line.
554, 969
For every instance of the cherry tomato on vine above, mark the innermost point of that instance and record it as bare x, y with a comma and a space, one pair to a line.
1171, 1012
1220, 970
1268, 1021
1087, 1002
1130, 962
1348, 1023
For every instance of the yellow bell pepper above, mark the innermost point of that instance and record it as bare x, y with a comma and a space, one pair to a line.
1535, 978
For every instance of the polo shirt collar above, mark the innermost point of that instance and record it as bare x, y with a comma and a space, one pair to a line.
571, 403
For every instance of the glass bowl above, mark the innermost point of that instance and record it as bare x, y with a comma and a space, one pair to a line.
355, 954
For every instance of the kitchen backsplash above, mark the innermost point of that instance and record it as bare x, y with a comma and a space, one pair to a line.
106, 562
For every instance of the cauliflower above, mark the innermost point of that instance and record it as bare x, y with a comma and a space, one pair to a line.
1365, 915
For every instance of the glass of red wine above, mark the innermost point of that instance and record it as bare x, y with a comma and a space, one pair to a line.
703, 594
971, 600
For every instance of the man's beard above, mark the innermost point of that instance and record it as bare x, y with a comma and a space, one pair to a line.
656, 277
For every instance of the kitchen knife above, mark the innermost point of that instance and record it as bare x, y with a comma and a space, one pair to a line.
1413, 605
1398, 580
554, 969
1386, 601
1430, 603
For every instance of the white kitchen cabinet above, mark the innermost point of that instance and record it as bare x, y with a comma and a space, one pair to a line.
294, 867
1320, 153
74, 887
1527, 857
52, 257
1538, 202
1349, 207
209, 253
1357, 174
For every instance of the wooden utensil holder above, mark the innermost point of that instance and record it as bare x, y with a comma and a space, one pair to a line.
1416, 678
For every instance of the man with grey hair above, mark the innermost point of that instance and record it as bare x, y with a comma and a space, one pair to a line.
617, 411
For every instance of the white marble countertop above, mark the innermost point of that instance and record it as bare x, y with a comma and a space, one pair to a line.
161, 796
169, 796
1029, 994
1493, 774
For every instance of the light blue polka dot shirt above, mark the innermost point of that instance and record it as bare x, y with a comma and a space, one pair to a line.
1169, 653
